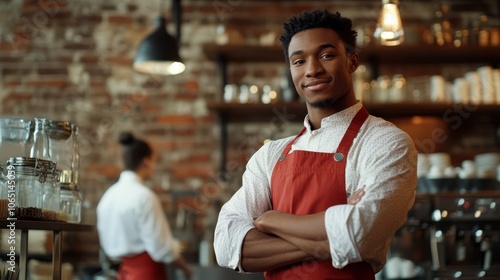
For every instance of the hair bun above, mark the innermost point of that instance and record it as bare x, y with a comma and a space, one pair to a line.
126, 138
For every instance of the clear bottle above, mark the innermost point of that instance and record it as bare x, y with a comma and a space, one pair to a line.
70, 207
40, 148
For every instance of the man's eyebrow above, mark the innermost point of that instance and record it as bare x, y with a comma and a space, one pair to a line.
296, 53
321, 47
325, 46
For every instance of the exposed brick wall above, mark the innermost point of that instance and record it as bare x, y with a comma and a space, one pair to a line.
71, 60
67, 60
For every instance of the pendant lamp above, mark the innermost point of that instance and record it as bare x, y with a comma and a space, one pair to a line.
158, 53
389, 31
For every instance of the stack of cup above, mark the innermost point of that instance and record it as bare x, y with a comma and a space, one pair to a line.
438, 89
487, 86
442, 174
496, 84
460, 91
486, 164
467, 174
486, 167
422, 171
475, 91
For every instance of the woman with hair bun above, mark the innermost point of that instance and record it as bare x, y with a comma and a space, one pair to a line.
130, 220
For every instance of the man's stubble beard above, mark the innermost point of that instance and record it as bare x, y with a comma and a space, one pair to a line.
323, 104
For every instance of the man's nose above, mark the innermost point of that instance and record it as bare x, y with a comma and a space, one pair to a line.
314, 67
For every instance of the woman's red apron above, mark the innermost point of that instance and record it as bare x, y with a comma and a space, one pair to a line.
141, 267
306, 182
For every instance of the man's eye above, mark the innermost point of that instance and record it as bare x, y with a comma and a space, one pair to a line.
298, 62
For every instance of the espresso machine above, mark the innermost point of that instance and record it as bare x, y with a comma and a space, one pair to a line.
465, 235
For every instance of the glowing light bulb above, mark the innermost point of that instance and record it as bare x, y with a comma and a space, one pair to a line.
389, 31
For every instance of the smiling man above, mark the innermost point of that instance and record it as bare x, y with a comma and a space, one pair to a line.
323, 204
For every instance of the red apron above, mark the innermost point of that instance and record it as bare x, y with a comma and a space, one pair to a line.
141, 267
305, 182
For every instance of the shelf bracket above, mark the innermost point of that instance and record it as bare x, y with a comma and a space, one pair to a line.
223, 146
222, 65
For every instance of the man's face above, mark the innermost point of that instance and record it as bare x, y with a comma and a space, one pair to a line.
321, 69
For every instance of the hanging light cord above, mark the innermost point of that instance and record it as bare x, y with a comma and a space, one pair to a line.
177, 18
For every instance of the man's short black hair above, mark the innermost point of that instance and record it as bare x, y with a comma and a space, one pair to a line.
319, 19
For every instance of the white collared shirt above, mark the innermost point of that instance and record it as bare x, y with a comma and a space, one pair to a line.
130, 220
382, 158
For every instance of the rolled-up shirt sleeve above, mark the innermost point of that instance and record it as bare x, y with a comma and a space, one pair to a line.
385, 164
237, 215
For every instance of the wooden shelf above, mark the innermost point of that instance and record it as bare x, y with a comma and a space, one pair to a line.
296, 111
44, 225
414, 54
420, 54
244, 53
374, 57
236, 112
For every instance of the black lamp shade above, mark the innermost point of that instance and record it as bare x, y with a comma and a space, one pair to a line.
158, 53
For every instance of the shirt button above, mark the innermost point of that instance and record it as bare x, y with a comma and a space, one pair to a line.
313, 132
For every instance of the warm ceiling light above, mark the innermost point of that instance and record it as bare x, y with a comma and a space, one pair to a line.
389, 31
158, 53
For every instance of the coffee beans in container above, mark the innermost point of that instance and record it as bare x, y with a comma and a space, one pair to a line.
35, 180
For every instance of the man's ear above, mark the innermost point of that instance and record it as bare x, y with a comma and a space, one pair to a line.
352, 62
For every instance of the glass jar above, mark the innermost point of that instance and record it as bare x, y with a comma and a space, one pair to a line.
29, 176
70, 208
3, 195
75, 154
50, 190
60, 147
14, 138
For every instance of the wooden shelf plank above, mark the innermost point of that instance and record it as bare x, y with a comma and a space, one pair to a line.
420, 54
244, 53
296, 111
382, 54
45, 225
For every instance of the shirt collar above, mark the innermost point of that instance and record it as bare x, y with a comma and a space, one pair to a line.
345, 115
128, 175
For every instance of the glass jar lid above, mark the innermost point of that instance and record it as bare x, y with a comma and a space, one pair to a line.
42, 169
59, 130
68, 186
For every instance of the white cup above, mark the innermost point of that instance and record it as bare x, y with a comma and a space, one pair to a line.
407, 269
439, 159
392, 268
436, 172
